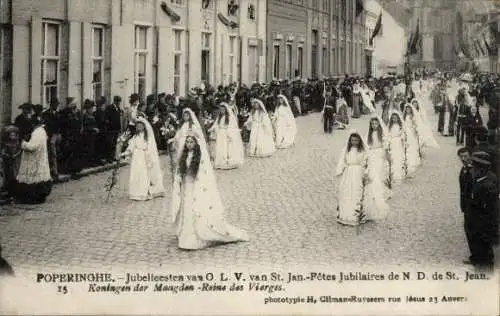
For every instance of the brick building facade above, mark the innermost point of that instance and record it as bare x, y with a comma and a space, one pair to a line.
316, 38
91, 48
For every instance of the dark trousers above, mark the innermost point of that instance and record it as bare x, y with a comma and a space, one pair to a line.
111, 139
480, 245
460, 132
328, 120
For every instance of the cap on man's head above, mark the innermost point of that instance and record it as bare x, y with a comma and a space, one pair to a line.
117, 98
481, 158
134, 97
26, 106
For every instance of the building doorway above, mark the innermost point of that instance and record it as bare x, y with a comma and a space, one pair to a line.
205, 66
369, 64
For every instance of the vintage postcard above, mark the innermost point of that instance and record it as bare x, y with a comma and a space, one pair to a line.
241, 157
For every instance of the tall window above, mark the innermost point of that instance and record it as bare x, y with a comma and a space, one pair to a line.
343, 9
253, 63
289, 65
326, 5
334, 62
177, 61
314, 54
342, 60
97, 61
232, 58
276, 61
141, 56
325, 61
51, 38
300, 60
315, 4
205, 57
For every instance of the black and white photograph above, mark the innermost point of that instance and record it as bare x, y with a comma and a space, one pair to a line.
286, 152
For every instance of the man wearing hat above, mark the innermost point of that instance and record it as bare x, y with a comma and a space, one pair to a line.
481, 219
52, 121
23, 121
483, 144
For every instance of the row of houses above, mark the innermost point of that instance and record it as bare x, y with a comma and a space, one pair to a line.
92, 48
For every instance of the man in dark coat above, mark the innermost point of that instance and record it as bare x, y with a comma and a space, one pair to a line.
483, 144
481, 219
114, 128
465, 181
23, 121
329, 110
52, 121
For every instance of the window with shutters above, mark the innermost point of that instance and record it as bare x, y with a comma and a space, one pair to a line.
50, 60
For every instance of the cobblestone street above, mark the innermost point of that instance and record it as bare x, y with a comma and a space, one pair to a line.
286, 203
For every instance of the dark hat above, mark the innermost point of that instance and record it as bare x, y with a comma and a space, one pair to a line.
481, 158
26, 106
38, 108
134, 97
117, 98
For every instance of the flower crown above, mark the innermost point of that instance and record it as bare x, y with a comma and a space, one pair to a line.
192, 133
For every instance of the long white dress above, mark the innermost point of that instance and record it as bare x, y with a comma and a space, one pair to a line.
261, 142
229, 151
352, 168
285, 126
412, 148
146, 176
377, 188
397, 153
197, 210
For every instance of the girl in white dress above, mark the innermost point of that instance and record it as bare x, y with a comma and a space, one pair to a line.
397, 144
352, 172
427, 138
284, 124
261, 142
197, 210
413, 144
229, 151
146, 176
379, 180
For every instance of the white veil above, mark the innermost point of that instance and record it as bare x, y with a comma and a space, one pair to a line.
289, 113
341, 163
266, 120
385, 130
185, 128
154, 166
426, 138
207, 205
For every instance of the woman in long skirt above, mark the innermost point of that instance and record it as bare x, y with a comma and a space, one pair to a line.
261, 142
146, 176
197, 210
342, 116
352, 169
412, 148
378, 189
229, 151
397, 144
284, 124
357, 100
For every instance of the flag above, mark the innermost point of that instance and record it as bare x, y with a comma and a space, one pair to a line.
377, 29
491, 50
414, 46
408, 45
359, 7
460, 35
481, 50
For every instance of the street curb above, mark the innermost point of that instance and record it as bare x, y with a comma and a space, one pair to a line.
90, 171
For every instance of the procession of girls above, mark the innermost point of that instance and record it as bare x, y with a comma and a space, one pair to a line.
392, 151
196, 207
